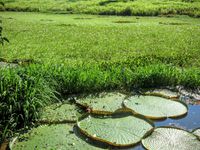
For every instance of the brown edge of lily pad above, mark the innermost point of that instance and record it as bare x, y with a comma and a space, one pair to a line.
113, 144
195, 134
163, 96
158, 118
101, 112
168, 127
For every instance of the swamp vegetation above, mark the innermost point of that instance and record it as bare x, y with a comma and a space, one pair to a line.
61, 58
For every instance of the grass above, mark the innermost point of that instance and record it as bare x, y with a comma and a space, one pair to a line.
108, 7
88, 53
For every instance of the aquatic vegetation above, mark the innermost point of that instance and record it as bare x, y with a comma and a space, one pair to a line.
155, 107
122, 131
163, 93
103, 103
166, 138
59, 113
61, 136
117, 56
197, 132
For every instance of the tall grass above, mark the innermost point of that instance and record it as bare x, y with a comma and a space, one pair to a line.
21, 95
109, 7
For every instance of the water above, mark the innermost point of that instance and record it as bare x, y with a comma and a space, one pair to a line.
189, 122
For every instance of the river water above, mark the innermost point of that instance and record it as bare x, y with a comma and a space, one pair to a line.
189, 122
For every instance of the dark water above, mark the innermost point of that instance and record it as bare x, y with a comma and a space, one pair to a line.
189, 122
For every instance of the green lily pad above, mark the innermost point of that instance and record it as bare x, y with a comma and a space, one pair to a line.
122, 131
52, 137
58, 113
104, 103
197, 132
163, 93
165, 138
155, 107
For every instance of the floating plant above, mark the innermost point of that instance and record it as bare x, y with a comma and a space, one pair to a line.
155, 107
59, 113
167, 138
105, 103
45, 137
116, 131
163, 93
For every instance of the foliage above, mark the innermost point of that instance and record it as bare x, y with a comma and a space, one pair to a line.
91, 54
103, 103
62, 136
109, 7
117, 131
2, 38
21, 96
155, 107
171, 138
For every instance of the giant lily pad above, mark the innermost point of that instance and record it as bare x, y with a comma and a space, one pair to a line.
197, 132
52, 137
58, 113
171, 139
163, 93
105, 103
155, 107
122, 131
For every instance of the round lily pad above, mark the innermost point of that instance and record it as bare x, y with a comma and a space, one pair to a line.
163, 93
197, 132
122, 131
165, 138
155, 107
58, 113
51, 137
104, 103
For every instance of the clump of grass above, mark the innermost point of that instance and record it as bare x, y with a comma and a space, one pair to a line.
21, 96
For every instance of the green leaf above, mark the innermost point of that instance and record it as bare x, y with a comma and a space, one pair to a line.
155, 107
58, 113
62, 137
166, 138
104, 103
117, 131
163, 93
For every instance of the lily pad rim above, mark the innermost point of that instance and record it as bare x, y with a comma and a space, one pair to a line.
115, 115
161, 95
113, 144
150, 92
157, 118
195, 134
102, 112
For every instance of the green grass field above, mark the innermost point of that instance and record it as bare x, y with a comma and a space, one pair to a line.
108, 7
90, 53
